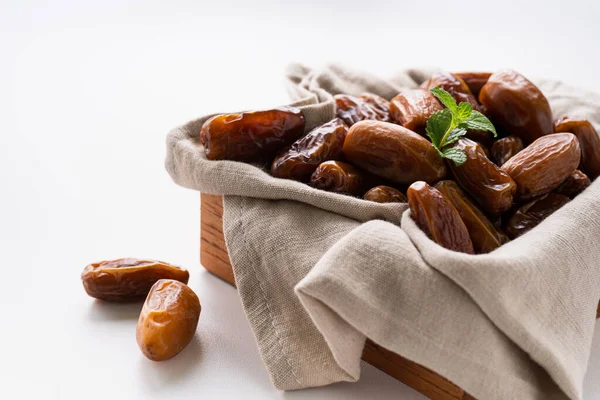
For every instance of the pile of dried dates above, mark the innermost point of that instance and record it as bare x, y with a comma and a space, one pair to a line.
380, 150
171, 311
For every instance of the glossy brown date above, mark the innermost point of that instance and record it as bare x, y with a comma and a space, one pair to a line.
589, 141
491, 187
341, 177
517, 105
438, 218
378, 104
531, 214
484, 235
323, 143
576, 183
168, 320
506, 148
127, 279
474, 80
351, 109
412, 108
544, 164
453, 85
393, 152
385, 194
251, 136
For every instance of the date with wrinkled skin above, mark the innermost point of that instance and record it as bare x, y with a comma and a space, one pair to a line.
576, 183
490, 186
412, 109
385, 194
531, 214
474, 80
506, 148
453, 85
168, 320
341, 177
323, 143
393, 152
517, 105
543, 165
589, 141
484, 235
251, 136
438, 218
351, 109
127, 279
378, 104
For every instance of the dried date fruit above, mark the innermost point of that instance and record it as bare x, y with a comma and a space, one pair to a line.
438, 218
393, 152
517, 105
323, 143
412, 108
341, 177
351, 109
576, 183
484, 235
506, 148
453, 85
168, 320
589, 141
531, 214
378, 104
474, 80
250, 136
491, 187
385, 194
127, 279
544, 164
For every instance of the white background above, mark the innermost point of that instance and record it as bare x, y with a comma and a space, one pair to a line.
87, 95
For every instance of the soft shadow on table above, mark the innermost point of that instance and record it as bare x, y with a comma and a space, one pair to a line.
105, 311
171, 371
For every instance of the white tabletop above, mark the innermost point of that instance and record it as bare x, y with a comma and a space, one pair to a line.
87, 95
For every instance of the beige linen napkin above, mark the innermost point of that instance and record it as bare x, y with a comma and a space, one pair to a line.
319, 272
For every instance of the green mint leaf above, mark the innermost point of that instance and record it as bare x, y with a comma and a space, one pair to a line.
463, 112
454, 135
437, 126
455, 155
445, 98
479, 122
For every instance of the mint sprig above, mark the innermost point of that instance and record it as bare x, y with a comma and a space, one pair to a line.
446, 127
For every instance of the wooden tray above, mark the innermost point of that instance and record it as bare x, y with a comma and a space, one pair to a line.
214, 257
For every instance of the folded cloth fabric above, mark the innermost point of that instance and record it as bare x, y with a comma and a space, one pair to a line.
319, 272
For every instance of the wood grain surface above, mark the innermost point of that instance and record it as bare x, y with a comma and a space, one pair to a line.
214, 257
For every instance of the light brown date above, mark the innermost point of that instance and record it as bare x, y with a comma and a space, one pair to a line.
531, 214
323, 143
506, 148
412, 109
351, 109
517, 104
378, 104
484, 235
251, 136
491, 187
453, 85
341, 177
438, 218
474, 80
589, 141
576, 183
385, 194
168, 320
544, 164
127, 279
393, 152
